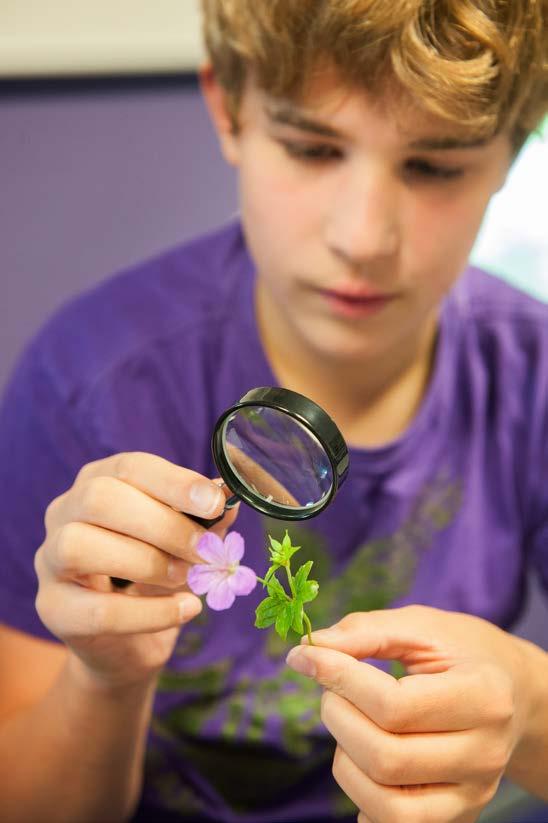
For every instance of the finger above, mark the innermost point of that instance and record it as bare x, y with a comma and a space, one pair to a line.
391, 804
412, 759
403, 634
450, 701
182, 489
71, 611
81, 549
117, 506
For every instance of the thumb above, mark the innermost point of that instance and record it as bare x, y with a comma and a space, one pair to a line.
414, 635
230, 514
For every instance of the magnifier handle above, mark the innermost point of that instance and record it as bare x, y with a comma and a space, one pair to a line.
203, 521
120, 583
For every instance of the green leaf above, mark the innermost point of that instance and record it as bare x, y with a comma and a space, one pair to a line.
267, 612
288, 548
291, 551
284, 618
286, 542
297, 620
306, 590
281, 553
276, 590
309, 591
277, 558
301, 575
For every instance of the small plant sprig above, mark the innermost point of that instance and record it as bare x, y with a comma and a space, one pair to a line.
285, 610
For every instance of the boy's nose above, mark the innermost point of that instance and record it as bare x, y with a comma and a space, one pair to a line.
362, 223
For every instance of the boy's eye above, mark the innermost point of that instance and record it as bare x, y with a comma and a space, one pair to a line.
311, 151
323, 152
428, 170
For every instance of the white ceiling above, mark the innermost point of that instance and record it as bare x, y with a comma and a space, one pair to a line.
78, 37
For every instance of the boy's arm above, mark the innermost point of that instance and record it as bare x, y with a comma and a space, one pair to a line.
69, 751
529, 763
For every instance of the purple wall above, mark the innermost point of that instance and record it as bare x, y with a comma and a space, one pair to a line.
93, 179
96, 177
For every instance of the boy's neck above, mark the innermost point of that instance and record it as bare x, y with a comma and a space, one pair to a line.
371, 406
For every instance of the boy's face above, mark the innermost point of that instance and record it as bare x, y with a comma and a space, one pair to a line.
359, 217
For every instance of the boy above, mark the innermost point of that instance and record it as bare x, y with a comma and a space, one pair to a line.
369, 138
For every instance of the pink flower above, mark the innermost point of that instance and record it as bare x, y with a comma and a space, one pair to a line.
221, 576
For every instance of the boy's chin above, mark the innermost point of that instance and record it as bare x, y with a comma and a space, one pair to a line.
340, 348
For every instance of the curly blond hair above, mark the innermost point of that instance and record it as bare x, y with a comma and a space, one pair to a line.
481, 65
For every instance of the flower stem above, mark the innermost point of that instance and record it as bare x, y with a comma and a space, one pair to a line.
308, 625
290, 579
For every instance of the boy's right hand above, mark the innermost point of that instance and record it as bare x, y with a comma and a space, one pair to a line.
123, 517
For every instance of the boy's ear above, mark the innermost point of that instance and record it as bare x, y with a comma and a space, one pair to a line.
216, 102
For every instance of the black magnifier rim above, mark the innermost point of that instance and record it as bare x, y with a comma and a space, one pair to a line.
308, 414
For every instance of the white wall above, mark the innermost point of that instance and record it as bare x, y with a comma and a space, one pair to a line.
80, 37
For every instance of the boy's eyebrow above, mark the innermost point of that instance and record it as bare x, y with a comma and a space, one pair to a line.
287, 115
440, 143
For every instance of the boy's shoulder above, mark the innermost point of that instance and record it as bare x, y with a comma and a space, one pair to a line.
489, 307
499, 347
485, 294
173, 293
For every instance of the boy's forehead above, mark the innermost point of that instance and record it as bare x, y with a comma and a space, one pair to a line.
322, 107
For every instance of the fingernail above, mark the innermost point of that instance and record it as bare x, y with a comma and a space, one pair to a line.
206, 497
300, 663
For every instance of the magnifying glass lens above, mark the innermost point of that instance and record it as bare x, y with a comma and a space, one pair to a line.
277, 458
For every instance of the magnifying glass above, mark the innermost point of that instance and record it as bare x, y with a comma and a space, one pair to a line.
280, 453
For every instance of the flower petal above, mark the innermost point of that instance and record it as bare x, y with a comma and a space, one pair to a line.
243, 580
211, 549
220, 596
234, 548
202, 577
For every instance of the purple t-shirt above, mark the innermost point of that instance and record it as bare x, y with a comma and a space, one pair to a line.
451, 514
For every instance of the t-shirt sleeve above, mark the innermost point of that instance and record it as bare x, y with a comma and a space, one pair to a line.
538, 548
41, 452
535, 460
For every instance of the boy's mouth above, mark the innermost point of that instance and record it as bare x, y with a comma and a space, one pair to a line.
356, 303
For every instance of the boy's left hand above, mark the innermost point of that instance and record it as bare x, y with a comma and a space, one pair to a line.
433, 745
